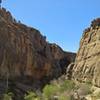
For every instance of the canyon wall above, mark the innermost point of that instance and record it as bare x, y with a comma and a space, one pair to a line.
87, 64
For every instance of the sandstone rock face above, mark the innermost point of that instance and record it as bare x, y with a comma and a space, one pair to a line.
25, 55
87, 64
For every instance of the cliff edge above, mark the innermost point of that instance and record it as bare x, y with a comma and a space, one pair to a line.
27, 60
87, 63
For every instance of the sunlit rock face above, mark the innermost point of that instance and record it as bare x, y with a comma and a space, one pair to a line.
87, 64
26, 58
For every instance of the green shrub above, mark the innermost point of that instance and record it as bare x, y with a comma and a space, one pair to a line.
65, 97
67, 85
31, 96
50, 90
8, 96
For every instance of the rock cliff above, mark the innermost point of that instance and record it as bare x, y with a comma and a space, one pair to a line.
87, 64
27, 60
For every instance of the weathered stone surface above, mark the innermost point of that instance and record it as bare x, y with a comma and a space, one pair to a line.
26, 57
87, 64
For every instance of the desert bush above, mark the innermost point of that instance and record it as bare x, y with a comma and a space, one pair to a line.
8, 96
62, 97
31, 96
67, 85
50, 90
95, 22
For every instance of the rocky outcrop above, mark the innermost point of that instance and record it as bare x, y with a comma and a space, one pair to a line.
87, 64
27, 60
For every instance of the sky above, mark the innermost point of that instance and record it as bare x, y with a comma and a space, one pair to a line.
61, 21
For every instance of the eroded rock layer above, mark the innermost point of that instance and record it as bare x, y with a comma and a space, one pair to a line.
87, 64
27, 60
